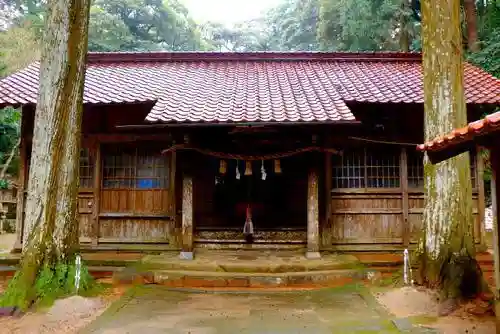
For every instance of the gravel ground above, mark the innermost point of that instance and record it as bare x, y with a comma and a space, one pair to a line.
66, 316
420, 303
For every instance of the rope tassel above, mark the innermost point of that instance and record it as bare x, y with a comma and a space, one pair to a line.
238, 175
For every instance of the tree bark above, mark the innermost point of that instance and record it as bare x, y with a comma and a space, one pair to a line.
404, 34
447, 251
471, 18
50, 234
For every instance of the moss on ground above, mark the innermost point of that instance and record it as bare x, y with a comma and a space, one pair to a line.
51, 283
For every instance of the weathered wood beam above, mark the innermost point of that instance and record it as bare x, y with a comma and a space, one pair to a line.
495, 165
405, 200
481, 204
326, 233
96, 151
120, 138
187, 218
173, 230
313, 242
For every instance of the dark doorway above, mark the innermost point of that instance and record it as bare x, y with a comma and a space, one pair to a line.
277, 202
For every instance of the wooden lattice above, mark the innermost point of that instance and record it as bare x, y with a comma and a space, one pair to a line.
134, 169
416, 169
348, 170
86, 169
367, 168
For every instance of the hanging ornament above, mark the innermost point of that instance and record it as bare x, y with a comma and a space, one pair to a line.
248, 168
238, 176
263, 171
277, 166
222, 167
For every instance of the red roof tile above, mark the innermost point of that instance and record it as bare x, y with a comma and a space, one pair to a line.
271, 86
489, 124
104, 83
228, 91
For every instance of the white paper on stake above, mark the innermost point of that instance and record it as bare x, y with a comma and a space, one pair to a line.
406, 263
78, 265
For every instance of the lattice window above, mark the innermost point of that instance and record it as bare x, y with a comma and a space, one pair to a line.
349, 170
416, 169
86, 169
382, 168
135, 169
367, 168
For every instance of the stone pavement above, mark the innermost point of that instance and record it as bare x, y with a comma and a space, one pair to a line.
155, 309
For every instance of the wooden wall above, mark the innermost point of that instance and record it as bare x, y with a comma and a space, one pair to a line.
114, 215
361, 219
364, 219
387, 218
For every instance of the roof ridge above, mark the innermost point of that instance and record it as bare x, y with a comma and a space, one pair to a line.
163, 56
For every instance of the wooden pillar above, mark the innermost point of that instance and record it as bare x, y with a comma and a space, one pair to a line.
405, 200
312, 215
481, 204
173, 230
21, 184
187, 218
326, 231
96, 148
495, 165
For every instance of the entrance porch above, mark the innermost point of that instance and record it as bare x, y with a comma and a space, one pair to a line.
252, 205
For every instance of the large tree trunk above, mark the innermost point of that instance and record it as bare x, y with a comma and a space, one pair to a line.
447, 247
471, 18
50, 236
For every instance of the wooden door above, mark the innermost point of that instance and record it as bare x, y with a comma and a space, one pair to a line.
86, 215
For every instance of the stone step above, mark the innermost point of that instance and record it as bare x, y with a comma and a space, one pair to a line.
246, 263
210, 279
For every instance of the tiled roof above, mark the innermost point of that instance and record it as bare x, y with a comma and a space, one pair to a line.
271, 86
104, 83
249, 91
489, 124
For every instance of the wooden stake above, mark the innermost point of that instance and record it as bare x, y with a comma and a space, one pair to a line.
312, 216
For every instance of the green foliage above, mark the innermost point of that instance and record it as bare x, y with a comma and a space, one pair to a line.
140, 25
295, 24
489, 56
10, 120
14, 44
52, 282
108, 32
350, 25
